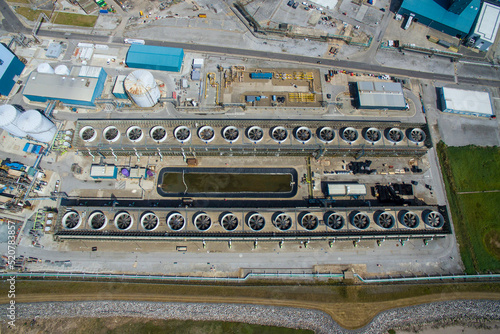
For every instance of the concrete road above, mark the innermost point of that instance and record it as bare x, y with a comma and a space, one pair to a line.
11, 23
438, 257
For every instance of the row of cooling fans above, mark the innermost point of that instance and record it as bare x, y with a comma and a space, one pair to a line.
255, 134
175, 221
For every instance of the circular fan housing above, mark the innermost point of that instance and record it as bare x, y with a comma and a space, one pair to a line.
256, 221
229, 221
150, 221
158, 133
282, 221
206, 133
98, 220
303, 134
433, 219
71, 220
416, 135
409, 219
385, 220
88, 134
360, 220
394, 135
182, 134
309, 221
255, 133
279, 134
111, 134
202, 221
326, 134
176, 221
135, 134
123, 221
350, 135
230, 134
334, 220
373, 135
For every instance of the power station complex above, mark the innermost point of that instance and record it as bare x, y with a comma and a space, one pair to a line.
231, 179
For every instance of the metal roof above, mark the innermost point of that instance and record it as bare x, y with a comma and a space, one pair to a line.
468, 101
119, 88
6, 57
60, 87
346, 189
155, 56
54, 50
488, 22
381, 94
435, 10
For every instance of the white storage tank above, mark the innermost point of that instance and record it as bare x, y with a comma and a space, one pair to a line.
141, 87
61, 70
9, 117
45, 68
37, 126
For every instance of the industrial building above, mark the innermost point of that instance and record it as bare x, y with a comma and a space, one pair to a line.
465, 102
10, 69
380, 95
80, 86
485, 31
455, 17
155, 57
119, 88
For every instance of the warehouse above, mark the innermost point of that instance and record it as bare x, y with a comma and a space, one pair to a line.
155, 57
486, 27
465, 102
381, 95
454, 18
80, 87
10, 69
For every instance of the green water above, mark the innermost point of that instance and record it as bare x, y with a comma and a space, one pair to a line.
226, 183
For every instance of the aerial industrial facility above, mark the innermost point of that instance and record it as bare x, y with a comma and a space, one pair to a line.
226, 141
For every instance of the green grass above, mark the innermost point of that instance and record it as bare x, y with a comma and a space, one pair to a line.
475, 216
475, 168
59, 17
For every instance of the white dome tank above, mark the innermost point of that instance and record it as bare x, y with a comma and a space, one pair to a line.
37, 126
45, 68
141, 87
9, 117
61, 70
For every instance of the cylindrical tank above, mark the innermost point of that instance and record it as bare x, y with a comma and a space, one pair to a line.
37, 126
61, 70
141, 87
9, 117
45, 68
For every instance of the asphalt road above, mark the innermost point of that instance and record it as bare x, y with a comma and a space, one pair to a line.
12, 24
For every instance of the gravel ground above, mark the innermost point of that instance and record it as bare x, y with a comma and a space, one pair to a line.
477, 314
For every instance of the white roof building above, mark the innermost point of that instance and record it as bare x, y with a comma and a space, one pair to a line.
466, 102
486, 28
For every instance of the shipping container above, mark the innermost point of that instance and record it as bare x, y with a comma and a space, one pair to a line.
261, 75
202, 15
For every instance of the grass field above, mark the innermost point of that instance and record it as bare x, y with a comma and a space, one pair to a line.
126, 325
351, 306
468, 171
59, 17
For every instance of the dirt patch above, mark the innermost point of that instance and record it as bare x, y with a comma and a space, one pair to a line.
492, 242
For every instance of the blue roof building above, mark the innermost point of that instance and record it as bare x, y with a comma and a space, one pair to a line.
456, 19
10, 69
155, 57
81, 87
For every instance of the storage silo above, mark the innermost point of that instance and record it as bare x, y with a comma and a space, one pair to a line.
37, 126
61, 70
45, 68
9, 117
141, 87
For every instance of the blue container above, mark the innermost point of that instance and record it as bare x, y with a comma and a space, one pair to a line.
266, 75
103, 11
